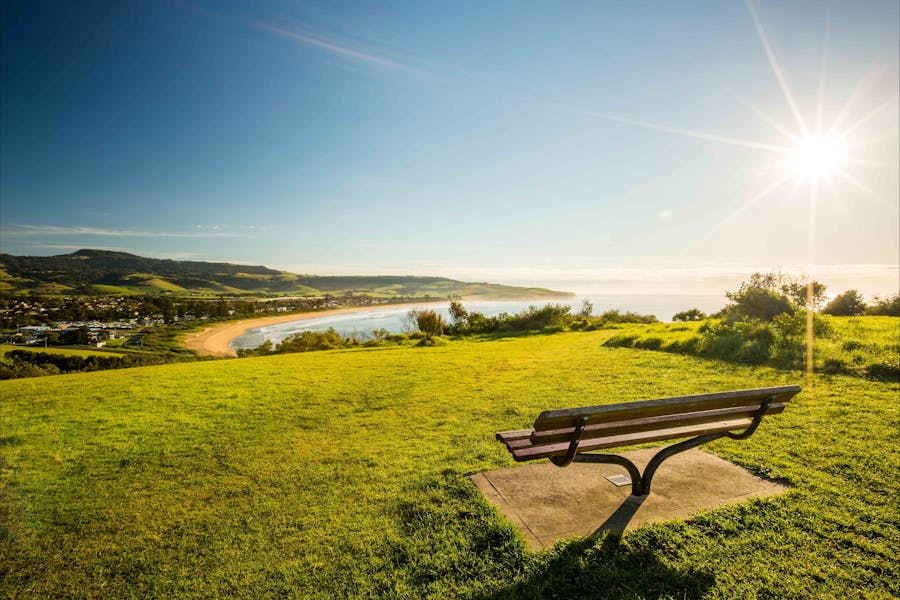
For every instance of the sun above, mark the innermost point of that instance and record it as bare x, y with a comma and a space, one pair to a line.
817, 156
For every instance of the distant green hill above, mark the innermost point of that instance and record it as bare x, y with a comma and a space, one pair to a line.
101, 272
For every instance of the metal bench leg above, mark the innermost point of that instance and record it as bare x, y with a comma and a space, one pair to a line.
668, 452
615, 459
674, 449
640, 483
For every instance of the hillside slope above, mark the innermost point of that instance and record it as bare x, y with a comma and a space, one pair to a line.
120, 273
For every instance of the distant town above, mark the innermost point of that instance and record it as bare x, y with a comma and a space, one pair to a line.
124, 320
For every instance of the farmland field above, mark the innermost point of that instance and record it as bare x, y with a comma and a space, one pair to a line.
344, 473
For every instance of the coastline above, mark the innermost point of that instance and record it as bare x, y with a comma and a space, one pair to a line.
215, 339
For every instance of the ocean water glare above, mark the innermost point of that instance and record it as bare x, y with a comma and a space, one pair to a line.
360, 324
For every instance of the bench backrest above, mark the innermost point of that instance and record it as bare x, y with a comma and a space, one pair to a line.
629, 423
666, 413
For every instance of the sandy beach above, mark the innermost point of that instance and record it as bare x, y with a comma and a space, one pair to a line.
215, 340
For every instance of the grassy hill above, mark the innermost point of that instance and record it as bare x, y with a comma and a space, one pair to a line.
344, 474
119, 273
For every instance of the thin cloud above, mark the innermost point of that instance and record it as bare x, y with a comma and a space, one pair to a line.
340, 50
317, 41
56, 230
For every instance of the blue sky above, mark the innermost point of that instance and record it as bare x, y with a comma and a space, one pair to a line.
622, 147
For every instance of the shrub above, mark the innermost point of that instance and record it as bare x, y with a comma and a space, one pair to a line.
430, 323
834, 365
552, 317
688, 346
691, 314
757, 341
790, 336
23, 363
884, 371
478, 323
757, 303
306, 341
848, 304
888, 307
534, 318
851, 345
744, 341
623, 340
650, 343
614, 316
16, 370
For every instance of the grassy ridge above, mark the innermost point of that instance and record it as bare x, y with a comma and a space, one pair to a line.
120, 273
343, 473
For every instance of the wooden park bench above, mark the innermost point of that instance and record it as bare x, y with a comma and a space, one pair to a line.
565, 436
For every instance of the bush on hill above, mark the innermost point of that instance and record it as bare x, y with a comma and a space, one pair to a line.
305, 341
24, 363
615, 316
691, 314
848, 304
762, 325
548, 318
756, 303
887, 307
860, 346
764, 296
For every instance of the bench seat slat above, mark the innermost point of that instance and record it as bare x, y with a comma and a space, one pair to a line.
505, 436
650, 423
518, 443
559, 419
532, 452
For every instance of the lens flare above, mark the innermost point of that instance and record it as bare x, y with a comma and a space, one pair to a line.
817, 155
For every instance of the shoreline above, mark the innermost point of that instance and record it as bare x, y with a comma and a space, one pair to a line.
215, 340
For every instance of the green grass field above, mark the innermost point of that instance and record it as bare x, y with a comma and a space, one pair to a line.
344, 474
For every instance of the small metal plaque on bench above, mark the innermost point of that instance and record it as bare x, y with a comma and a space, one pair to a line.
619, 480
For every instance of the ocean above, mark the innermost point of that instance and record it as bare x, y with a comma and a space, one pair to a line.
360, 324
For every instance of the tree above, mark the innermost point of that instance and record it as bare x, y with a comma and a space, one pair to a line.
587, 309
758, 299
796, 290
409, 322
809, 294
430, 323
765, 281
79, 336
848, 304
691, 314
458, 314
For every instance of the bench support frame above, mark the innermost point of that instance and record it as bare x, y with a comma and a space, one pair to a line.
640, 483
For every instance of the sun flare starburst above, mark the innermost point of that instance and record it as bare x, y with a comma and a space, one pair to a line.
817, 156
